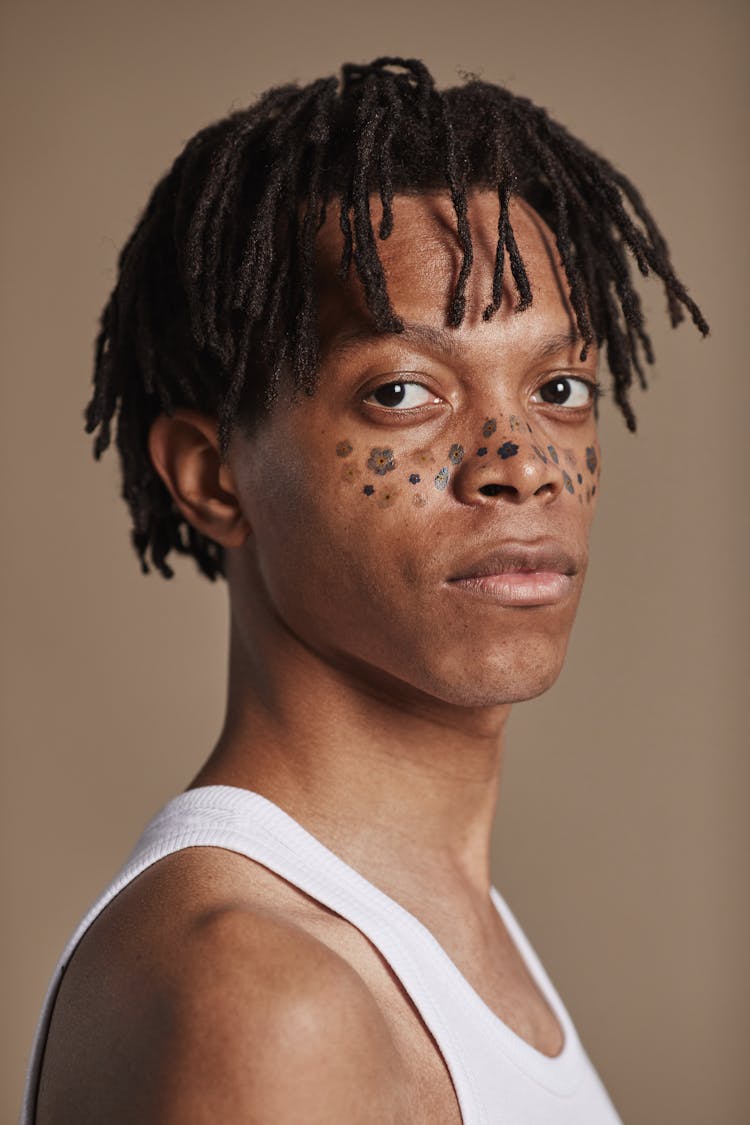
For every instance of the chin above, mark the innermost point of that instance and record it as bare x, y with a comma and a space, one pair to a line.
512, 675
483, 692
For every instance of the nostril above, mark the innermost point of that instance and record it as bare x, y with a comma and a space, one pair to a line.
494, 489
544, 489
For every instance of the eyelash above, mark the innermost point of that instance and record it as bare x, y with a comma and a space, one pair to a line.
594, 389
433, 399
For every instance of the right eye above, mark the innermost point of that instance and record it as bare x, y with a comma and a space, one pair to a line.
401, 395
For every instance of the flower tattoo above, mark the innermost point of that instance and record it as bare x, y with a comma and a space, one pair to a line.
381, 461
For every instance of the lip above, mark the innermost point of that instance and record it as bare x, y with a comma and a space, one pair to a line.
519, 574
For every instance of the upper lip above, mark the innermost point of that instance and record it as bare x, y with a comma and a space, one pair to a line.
516, 556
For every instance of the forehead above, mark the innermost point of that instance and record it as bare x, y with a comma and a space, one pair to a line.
421, 261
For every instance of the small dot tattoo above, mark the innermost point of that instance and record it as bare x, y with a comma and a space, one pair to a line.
441, 480
387, 498
508, 449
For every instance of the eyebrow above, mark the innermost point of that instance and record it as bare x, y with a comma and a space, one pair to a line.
442, 340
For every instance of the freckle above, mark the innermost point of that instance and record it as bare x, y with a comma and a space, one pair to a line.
567, 481
344, 448
508, 449
482, 451
414, 478
579, 478
419, 500
456, 454
553, 454
441, 480
368, 490
489, 427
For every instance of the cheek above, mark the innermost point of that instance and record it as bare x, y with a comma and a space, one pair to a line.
387, 477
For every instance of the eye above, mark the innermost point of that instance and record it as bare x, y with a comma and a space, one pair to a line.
565, 390
401, 395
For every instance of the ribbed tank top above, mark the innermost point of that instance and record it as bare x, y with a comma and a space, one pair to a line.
499, 1078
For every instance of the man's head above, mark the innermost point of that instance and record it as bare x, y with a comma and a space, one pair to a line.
216, 305
421, 522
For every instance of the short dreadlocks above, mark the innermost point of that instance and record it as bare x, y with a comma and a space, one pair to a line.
215, 297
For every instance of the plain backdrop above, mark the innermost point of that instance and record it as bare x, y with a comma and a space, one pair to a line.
622, 836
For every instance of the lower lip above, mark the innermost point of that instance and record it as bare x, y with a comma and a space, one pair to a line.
519, 588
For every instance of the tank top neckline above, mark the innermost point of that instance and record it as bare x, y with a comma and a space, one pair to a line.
558, 1073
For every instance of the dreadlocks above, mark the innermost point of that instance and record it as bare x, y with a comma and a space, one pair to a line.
220, 267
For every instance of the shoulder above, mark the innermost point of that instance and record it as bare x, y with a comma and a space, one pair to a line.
188, 1001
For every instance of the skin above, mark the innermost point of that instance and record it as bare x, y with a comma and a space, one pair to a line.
367, 696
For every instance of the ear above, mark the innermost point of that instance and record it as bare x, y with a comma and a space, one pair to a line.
184, 450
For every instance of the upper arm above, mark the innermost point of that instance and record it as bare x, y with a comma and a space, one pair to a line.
272, 1027
249, 1021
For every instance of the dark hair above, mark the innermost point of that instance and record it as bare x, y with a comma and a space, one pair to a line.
220, 265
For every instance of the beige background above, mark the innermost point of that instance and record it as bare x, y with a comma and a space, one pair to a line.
622, 838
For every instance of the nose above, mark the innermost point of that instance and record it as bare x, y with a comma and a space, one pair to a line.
512, 471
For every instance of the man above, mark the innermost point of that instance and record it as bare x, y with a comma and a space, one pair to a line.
353, 351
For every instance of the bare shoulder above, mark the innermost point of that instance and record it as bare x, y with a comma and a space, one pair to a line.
193, 1000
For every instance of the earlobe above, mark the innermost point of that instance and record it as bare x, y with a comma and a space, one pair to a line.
184, 450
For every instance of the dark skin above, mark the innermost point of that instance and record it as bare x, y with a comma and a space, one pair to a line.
370, 681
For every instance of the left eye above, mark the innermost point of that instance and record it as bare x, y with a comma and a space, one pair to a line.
402, 395
565, 391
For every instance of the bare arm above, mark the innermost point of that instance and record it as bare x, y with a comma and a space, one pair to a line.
247, 1020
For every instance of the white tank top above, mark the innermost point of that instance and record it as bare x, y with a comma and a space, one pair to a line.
499, 1078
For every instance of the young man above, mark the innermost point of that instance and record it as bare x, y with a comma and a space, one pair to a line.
353, 352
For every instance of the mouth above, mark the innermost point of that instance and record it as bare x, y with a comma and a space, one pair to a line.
519, 574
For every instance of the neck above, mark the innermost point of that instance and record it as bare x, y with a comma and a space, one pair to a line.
398, 784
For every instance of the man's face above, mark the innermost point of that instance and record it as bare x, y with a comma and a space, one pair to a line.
422, 521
